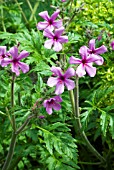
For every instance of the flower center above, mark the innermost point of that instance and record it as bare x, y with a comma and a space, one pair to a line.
84, 61
15, 61
50, 22
55, 38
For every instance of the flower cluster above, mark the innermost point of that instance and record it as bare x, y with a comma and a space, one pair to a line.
53, 30
5, 59
89, 56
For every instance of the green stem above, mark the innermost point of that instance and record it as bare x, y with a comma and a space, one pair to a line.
14, 136
12, 102
10, 152
34, 10
2, 16
30, 6
22, 12
82, 133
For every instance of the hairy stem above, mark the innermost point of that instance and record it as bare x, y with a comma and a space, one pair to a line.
2, 16
14, 136
30, 6
24, 17
82, 133
34, 11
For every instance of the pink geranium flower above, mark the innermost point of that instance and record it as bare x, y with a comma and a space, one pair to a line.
96, 51
15, 61
55, 39
3, 53
49, 21
52, 103
63, 0
112, 45
85, 64
61, 80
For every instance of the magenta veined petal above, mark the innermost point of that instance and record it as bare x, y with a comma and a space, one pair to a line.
2, 50
74, 60
92, 44
83, 52
23, 54
80, 71
69, 73
5, 62
57, 23
90, 69
52, 81
42, 25
14, 52
56, 70
58, 98
57, 46
95, 58
101, 50
63, 39
59, 88
56, 106
48, 33
49, 110
69, 84
15, 69
44, 15
58, 32
48, 44
55, 14
24, 67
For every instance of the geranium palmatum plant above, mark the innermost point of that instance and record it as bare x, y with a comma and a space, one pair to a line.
64, 80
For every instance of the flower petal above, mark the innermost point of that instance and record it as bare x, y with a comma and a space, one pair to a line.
24, 67
80, 71
44, 15
69, 73
2, 50
49, 110
48, 33
42, 25
74, 60
14, 52
52, 81
83, 52
5, 62
15, 69
57, 23
59, 88
63, 39
69, 84
95, 58
55, 14
58, 98
92, 44
90, 69
57, 46
56, 106
101, 50
58, 32
56, 70
23, 54
48, 44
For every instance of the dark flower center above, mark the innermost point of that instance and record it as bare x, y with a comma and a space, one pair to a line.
50, 22
2, 56
92, 51
55, 38
62, 78
84, 61
15, 61
51, 101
